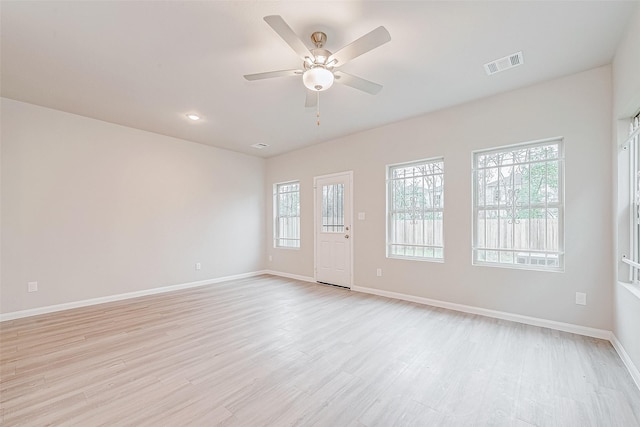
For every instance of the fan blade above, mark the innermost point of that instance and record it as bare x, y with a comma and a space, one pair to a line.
272, 74
357, 82
279, 26
312, 99
364, 44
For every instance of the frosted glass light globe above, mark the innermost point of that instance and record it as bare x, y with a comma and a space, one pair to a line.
317, 79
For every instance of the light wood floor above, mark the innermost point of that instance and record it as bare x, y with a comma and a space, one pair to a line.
272, 351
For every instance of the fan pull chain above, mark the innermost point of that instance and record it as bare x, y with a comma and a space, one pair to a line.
318, 107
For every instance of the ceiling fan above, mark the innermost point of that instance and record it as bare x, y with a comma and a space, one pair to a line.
320, 66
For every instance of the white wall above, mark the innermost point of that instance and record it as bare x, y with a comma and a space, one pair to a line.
93, 209
577, 107
626, 103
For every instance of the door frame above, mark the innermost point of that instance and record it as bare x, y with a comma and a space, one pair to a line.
316, 220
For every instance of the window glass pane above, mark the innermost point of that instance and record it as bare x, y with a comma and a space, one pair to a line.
552, 182
287, 215
506, 257
552, 152
415, 206
479, 184
521, 155
333, 208
522, 188
537, 153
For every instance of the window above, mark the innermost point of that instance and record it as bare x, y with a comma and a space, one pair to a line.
633, 144
518, 206
415, 194
286, 205
333, 208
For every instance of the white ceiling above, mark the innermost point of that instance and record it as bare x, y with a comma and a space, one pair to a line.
146, 64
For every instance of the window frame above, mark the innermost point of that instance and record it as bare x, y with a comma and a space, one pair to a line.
559, 205
277, 238
633, 145
389, 213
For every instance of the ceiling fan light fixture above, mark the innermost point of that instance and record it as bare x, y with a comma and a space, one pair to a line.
317, 79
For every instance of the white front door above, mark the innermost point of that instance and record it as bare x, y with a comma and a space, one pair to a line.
333, 234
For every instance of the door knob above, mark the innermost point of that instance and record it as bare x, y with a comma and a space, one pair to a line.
346, 236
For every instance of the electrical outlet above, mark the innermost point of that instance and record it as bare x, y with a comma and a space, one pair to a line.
379, 272
32, 286
581, 298
270, 258
362, 216
198, 266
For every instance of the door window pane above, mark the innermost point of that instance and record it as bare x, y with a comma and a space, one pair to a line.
333, 208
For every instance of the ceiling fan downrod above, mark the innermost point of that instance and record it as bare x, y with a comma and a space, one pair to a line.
319, 39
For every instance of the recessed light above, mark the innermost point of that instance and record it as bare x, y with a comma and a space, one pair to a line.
260, 145
193, 117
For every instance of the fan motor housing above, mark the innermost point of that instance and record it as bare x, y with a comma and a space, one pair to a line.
320, 58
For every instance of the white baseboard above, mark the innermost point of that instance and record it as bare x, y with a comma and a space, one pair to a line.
290, 276
631, 367
118, 297
551, 324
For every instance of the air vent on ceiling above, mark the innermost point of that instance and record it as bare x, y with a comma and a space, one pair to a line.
505, 63
260, 145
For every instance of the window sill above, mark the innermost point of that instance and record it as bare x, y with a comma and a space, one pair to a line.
634, 289
525, 267
408, 258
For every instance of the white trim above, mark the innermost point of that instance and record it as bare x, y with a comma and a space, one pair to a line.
632, 288
633, 171
290, 276
633, 370
551, 324
631, 136
118, 297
